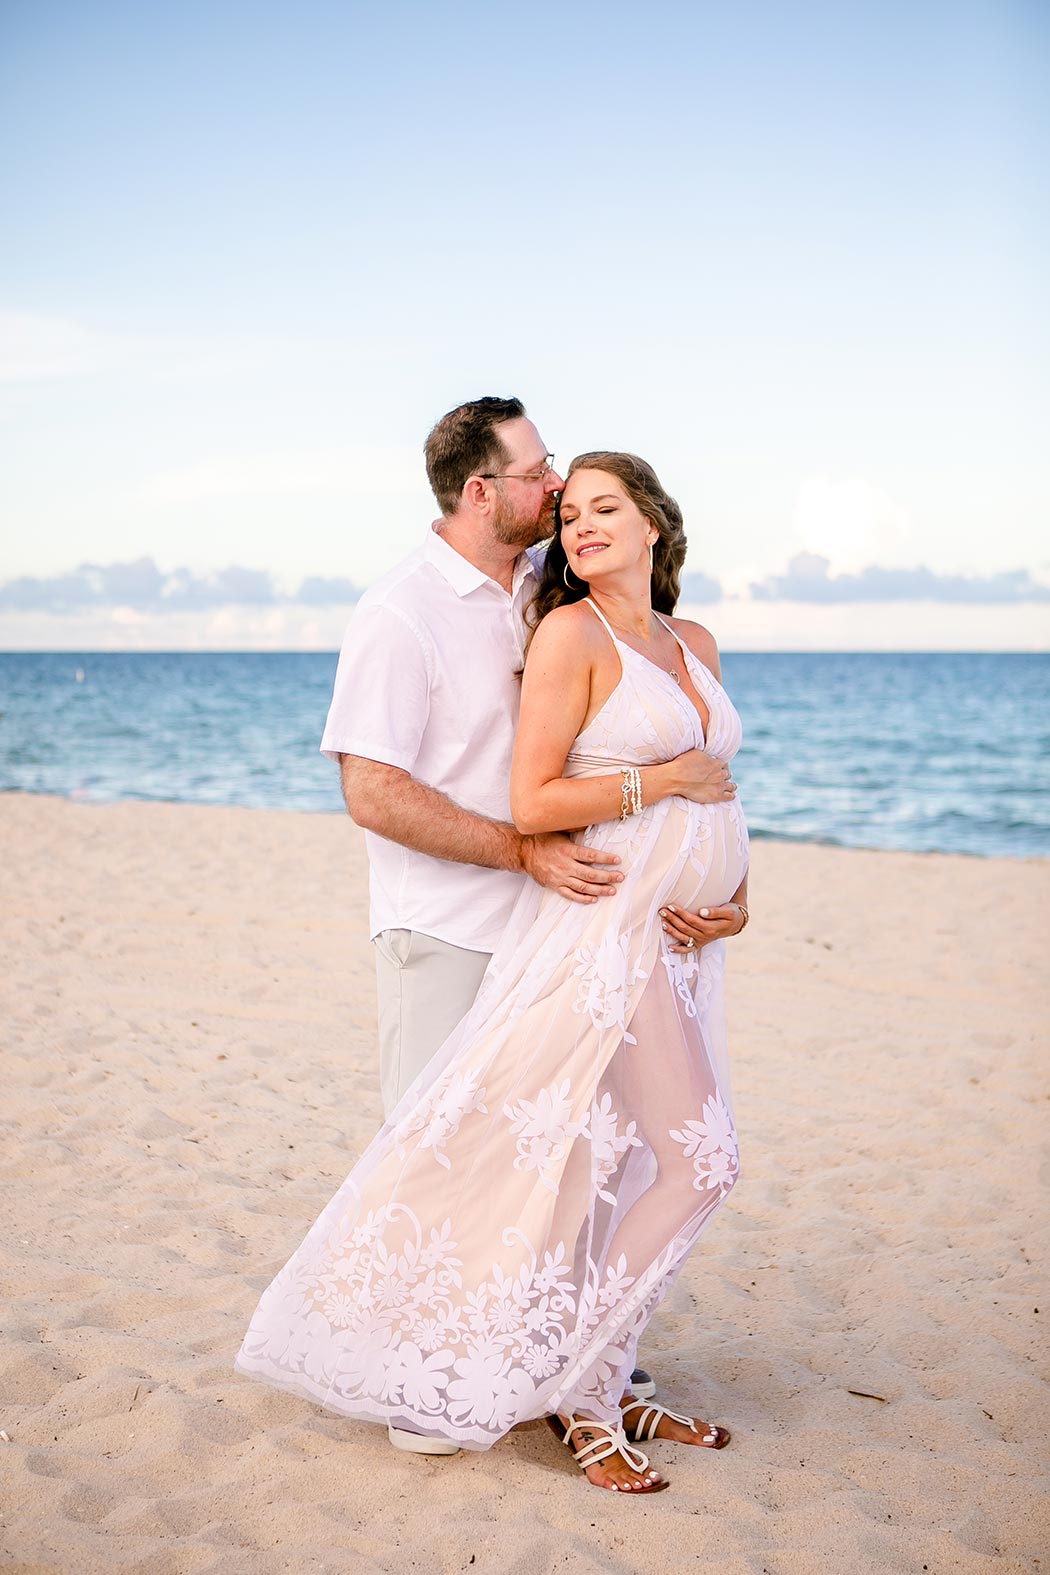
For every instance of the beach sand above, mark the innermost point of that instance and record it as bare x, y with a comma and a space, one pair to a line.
189, 1073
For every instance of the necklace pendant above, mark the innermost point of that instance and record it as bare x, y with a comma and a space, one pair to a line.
674, 675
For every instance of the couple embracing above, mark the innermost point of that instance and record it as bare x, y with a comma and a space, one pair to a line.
539, 752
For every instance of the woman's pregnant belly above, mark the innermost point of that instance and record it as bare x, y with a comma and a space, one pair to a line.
692, 855
720, 835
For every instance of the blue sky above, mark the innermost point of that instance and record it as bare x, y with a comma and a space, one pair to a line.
793, 254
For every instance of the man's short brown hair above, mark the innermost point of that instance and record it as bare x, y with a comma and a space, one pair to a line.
465, 443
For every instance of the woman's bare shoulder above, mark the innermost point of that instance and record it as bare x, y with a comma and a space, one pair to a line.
571, 626
700, 641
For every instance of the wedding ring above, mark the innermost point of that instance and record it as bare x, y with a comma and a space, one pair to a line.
690, 942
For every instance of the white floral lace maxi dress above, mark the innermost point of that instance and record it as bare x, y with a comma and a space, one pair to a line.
499, 1247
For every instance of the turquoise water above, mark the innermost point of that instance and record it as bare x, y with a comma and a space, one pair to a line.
926, 752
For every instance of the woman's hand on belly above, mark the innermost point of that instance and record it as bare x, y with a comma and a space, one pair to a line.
701, 777
687, 932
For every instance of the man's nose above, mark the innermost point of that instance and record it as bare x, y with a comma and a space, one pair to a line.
552, 482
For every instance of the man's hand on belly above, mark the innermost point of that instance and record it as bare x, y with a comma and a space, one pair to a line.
582, 874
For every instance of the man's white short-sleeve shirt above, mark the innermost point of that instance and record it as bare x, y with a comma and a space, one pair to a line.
427, 681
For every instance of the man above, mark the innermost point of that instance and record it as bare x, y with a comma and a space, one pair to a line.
422, 723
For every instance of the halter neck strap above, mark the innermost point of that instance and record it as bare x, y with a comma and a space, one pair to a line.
596, 610
593, 605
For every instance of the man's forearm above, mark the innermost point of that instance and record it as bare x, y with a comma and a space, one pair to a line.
407, 811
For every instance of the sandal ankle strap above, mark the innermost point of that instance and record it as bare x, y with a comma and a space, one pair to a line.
649, 1421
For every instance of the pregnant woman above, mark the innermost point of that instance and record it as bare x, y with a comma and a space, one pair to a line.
499, 1248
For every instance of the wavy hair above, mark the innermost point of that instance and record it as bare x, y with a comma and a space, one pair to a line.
642, 485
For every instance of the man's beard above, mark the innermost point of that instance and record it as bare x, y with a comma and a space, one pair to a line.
516, 530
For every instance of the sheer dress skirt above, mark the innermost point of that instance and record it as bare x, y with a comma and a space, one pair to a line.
500, 1246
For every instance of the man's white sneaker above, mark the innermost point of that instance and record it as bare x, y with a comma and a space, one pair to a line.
418, 1444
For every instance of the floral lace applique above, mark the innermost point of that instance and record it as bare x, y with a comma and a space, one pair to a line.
608, 1145
606, 976
545, 1131
692, 974
711, 1144
438, 1118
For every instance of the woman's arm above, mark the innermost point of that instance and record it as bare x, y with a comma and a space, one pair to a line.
555, 699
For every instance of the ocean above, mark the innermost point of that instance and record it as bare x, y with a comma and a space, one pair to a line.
928, 752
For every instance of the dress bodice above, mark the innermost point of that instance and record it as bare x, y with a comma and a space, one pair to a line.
648, 719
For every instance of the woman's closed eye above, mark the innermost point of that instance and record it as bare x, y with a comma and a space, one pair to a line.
571, 519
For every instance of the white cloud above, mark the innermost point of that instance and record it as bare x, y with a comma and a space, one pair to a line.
807, 579
701, 588
849, 522
35, 348
737, 625
347, 471
141, 585
875, 626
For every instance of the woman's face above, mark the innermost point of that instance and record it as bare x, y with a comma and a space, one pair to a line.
603, 531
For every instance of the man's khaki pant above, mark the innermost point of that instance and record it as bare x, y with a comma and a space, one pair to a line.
424, 986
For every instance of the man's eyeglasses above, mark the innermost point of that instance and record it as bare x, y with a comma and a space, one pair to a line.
517, 475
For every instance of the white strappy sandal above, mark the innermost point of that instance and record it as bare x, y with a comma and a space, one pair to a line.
644, 1430
610, 1441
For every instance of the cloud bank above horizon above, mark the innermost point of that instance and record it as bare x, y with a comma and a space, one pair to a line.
142, 586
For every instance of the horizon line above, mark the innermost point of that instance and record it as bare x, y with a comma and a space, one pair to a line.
724, 650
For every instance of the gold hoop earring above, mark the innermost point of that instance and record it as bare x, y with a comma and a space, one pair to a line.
565, 577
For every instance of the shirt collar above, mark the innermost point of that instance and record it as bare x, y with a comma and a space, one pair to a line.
461, 574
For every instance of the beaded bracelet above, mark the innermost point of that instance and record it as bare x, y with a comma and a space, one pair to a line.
630, 792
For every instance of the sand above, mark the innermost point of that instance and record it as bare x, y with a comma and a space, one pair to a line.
189, 1073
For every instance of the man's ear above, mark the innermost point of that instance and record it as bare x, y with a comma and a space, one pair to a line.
475, 494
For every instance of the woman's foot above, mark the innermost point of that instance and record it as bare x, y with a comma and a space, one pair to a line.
645, 1420
605, 1456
